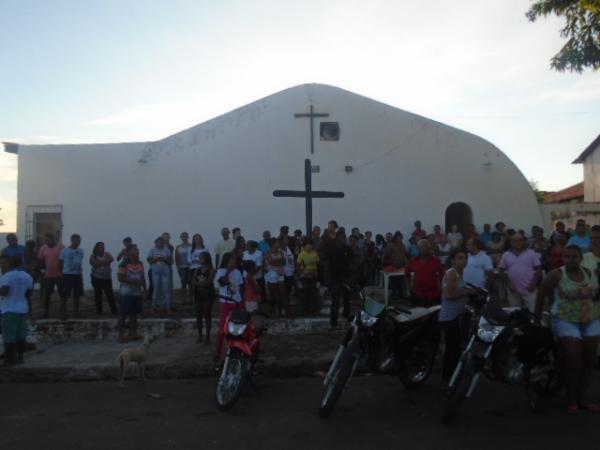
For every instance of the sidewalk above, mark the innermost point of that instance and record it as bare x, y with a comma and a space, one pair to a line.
169, 358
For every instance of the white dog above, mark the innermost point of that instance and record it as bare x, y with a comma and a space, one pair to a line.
137, 355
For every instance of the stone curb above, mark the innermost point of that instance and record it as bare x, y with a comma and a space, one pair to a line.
56, 331
288, 368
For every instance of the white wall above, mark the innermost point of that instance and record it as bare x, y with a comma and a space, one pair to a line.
223, 173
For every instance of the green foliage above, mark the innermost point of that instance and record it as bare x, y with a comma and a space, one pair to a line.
539, 195
582, 31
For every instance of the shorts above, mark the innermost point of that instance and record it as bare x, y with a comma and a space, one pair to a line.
14, 327
49, 284
273, 277
72, 284
130, 305
577, 330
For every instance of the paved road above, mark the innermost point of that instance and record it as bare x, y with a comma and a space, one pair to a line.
278, 414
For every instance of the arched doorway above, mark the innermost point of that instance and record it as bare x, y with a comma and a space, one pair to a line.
460, 214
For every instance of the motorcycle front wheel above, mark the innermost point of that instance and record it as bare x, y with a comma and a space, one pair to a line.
231, 381
418, 365
339, 379
458, 392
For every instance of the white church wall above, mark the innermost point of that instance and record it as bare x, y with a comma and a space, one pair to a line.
223, 173
591, 176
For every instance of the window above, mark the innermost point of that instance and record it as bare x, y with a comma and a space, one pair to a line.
42, 220
330, 131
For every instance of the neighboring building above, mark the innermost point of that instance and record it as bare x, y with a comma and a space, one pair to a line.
580, 201
392, 166
590, 158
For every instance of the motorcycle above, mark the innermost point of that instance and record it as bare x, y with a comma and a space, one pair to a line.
243, 346
508, 346
391, 340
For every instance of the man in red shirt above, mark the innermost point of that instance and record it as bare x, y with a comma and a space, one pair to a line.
49, 255
427, 271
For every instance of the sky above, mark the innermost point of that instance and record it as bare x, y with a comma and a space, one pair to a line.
127, 70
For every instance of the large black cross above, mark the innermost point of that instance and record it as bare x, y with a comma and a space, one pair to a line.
308, 194
311, 115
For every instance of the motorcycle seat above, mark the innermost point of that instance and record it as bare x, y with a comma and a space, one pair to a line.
415, 313
240, 316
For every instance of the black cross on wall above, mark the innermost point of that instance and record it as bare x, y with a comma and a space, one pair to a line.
311, 115
308, 194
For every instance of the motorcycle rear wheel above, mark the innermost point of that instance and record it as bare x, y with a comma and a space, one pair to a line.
418, 365
231, 382
457, 394
339, 379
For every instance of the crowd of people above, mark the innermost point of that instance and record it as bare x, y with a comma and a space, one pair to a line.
558, 274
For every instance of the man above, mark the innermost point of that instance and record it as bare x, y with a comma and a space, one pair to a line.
182, 253
236, 233
559, 228
437, 236
226, 245
522, 269
592, 258
127, 244
479, 269
284, 231
427, 272
133, 284
72, 281
486, 235
16, 287
13, 248
316, 236
338, 256
580, 238
264, 245
356, 267
418, 233
49, 256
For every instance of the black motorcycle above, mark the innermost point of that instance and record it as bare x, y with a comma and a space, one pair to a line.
391, 340
508, 346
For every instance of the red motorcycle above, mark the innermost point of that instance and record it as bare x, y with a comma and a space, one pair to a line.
243, 345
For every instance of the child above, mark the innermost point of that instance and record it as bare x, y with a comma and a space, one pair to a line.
308, 266
228, 282
251, 287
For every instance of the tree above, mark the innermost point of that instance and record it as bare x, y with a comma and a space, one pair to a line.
539, 194
582, 30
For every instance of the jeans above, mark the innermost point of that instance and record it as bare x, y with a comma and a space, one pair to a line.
100, 286
337, 290
309, 285
452, 338
161, 288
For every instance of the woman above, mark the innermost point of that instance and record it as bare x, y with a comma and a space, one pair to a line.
308, 269
275, 278
228, 282
454, 300
196, 250
455, 237
101, 273
495, 247
204, 293
575, 322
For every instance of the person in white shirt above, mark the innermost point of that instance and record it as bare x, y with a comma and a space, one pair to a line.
16, 287
224, 246
289, 269
480, 269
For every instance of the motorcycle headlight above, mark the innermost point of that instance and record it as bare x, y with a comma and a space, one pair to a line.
236, 329
488, 332
367, 320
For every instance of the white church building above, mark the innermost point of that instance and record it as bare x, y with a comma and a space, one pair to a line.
377, 167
